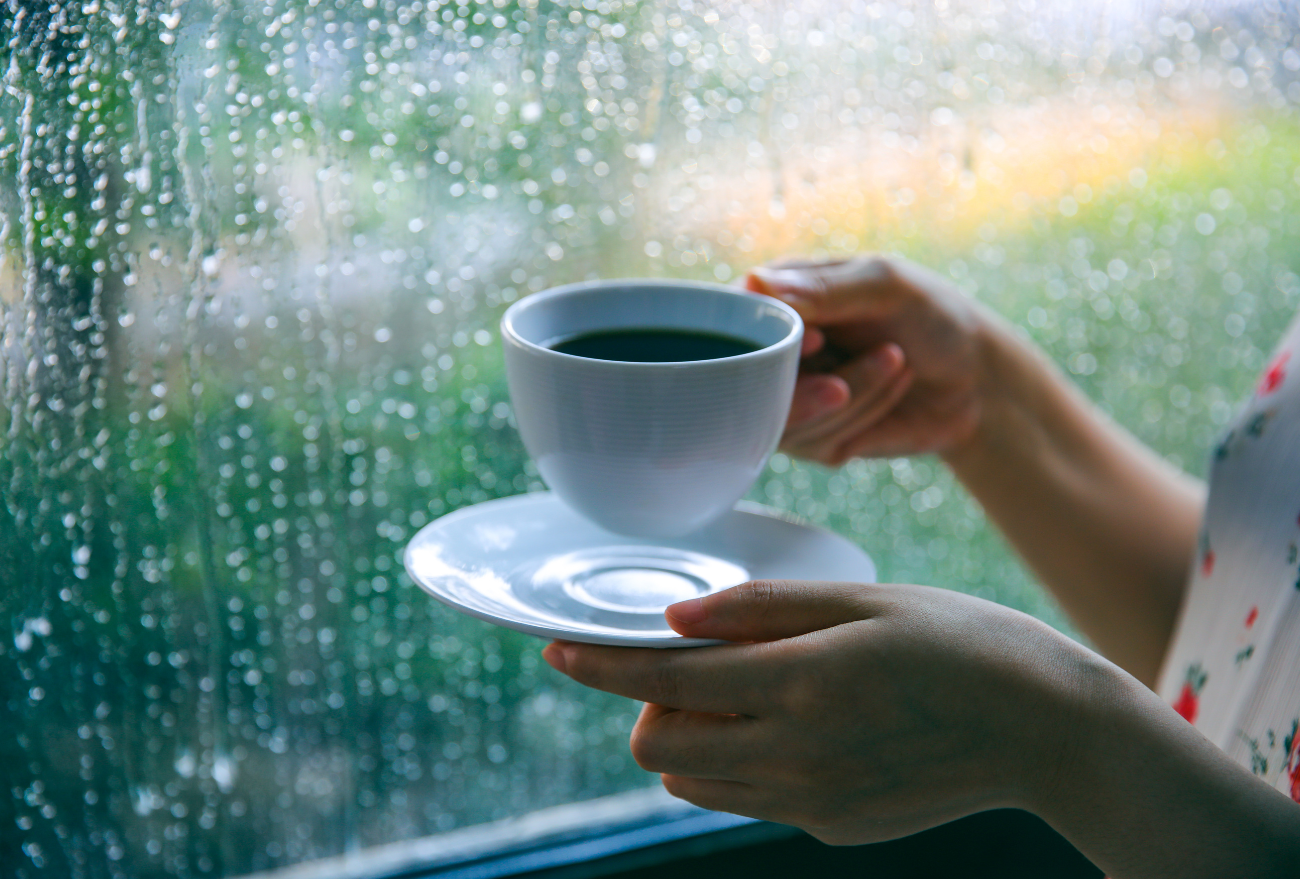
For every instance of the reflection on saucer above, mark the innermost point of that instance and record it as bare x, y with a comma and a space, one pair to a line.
605, 584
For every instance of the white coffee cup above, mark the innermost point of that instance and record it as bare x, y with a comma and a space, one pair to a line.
650, 449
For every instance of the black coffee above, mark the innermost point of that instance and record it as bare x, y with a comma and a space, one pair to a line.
654, 345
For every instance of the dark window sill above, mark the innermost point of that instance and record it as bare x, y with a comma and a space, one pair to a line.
646, 835
1005, 844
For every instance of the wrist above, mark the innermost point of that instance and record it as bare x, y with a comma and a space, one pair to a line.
1058, 694
1086, 697
1014, 387
1142, 793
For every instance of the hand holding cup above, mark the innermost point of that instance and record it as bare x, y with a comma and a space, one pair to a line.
891, 364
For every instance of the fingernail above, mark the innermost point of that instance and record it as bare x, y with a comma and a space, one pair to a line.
556, 657
689, 611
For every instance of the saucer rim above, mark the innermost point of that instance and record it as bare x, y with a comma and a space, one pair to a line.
750, 508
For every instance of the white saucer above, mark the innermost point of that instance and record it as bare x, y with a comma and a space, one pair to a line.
530, 564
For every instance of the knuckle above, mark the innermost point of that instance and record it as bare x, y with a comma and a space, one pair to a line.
875, 268
799, 700
883, 268
802, 696
644, 745
759, 596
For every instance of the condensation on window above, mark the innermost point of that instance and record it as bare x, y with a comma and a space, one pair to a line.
253, 259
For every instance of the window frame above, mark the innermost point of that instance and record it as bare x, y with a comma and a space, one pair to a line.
642, 828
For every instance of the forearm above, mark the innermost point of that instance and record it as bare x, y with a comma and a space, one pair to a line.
1146, 796
1108, 526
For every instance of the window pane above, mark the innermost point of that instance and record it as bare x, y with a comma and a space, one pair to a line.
254, 257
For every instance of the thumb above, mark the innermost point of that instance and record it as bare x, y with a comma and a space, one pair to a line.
769, 610
834, 292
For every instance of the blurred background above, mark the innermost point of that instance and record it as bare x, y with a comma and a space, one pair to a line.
253, 258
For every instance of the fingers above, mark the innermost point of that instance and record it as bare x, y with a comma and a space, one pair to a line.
817, 395
856, 436
806, 263
722, 796
694, 744
832, 292
861, 380
813, 341
722, 680
769, 610
822, 421
839, 435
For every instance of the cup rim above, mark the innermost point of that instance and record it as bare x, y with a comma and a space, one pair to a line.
508, 330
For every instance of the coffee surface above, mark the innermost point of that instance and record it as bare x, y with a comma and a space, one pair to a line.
654, 345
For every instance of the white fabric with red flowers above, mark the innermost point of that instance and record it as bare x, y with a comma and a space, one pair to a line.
1234, 666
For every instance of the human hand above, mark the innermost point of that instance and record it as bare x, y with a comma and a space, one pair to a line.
892, 358
858, 713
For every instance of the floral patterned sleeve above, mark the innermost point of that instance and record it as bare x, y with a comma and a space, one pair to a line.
1233, 669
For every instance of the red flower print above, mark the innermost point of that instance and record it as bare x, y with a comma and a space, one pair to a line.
1274, 375
1207, 563
1188, 702
1252, 616
1292, 744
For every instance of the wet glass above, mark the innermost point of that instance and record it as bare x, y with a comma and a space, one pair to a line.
253, 259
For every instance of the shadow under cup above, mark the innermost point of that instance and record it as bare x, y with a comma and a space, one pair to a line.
650, 449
